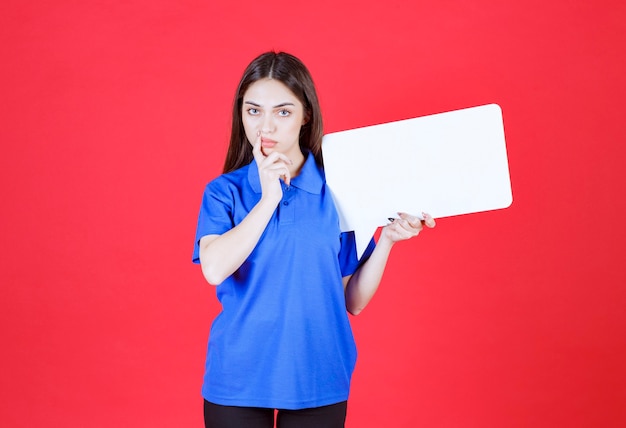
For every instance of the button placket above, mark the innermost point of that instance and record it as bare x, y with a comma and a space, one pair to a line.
286, 208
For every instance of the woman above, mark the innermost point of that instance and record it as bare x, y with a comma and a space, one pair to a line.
268, 237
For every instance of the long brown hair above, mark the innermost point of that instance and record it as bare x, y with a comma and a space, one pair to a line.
290, 71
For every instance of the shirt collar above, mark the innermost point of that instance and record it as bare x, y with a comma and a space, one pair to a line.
310, 179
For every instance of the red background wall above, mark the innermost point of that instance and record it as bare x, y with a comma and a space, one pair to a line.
115, 114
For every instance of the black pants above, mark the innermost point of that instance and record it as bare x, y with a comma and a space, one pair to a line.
216, 416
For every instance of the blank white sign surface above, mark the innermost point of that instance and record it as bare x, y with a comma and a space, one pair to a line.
445, 164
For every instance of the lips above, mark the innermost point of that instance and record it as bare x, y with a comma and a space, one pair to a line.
267, 143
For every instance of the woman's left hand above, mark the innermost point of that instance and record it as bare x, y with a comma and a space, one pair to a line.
406, 226
361, 286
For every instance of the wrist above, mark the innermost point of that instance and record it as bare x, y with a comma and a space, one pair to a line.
269, 201
385, 242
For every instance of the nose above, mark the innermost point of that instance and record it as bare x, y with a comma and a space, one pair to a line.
268, 126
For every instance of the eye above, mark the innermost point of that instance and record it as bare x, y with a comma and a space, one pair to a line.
284, 113
253, 111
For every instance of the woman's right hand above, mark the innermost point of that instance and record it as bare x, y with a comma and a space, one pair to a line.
271, 169
221, 255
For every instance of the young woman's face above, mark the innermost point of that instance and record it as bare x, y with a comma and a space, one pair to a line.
271, 108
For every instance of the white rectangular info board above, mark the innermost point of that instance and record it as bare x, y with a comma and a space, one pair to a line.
445, 164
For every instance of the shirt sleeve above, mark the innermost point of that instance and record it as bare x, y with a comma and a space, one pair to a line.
348, 259
215, 216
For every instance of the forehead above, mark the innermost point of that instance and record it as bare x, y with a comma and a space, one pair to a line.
270, 92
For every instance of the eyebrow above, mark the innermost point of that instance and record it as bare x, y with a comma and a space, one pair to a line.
276, 106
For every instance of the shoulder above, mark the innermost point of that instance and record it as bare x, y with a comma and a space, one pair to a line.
229, 182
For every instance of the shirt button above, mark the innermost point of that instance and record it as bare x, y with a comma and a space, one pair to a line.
285, 203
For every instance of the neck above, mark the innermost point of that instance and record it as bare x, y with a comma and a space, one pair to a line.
298, 162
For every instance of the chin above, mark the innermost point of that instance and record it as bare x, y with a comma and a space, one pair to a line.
267, 150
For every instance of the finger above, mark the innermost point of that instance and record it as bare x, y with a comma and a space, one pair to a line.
279, 170
429, 221
279, 163
403, 227
256, 149
411, 222
278, 157
400, 232
287, 178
